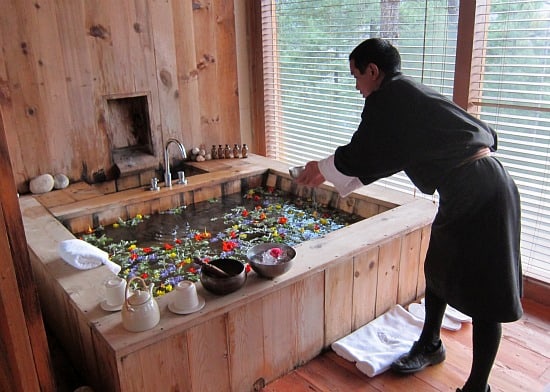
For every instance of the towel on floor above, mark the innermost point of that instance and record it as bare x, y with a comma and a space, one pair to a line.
377, 344
83, 255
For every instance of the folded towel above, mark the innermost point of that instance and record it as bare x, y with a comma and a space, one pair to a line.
83, 255
453, 313
377, 344
419, 310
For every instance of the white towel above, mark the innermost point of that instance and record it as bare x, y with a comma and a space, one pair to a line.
377, 344
83, 255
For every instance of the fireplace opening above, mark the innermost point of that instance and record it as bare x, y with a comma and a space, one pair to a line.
128, 128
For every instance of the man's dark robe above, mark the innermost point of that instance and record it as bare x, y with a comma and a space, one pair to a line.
473, 260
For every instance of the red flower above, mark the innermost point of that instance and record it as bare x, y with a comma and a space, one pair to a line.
144, 275
177, 241
247, 268
233, 234
244, 213
198, 237
275, 252
228, 246
147, 250
282, 220
168, 247
256, 198
193, 270
133, 256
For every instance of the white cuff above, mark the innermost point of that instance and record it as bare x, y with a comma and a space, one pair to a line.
343, 184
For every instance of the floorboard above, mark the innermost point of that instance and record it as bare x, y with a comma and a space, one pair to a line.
522, 364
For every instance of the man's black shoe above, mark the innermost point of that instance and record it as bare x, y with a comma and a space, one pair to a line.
418, 358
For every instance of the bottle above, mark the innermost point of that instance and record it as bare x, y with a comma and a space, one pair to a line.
244, 151
227, 152
221, 154
236, 151
214, 152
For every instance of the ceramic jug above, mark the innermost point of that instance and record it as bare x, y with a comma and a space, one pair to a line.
140, 311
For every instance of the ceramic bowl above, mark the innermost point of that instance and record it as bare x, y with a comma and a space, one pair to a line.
255, 257
221, 285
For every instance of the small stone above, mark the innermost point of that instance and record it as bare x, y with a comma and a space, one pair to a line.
41, 184
60, 181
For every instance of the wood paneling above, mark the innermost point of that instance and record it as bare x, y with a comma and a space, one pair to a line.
62, 61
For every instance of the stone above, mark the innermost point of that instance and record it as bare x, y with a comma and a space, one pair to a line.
41, 184
60, 181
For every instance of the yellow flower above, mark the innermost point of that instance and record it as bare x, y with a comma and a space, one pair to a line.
160, 292
235, 227
168, 288
242, 236
139, 216
132, 247
323, 221
115, 225
173, 255
187, 260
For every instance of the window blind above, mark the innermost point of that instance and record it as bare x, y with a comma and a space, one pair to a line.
311, 105
510, 89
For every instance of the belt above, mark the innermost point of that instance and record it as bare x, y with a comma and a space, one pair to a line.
481, 153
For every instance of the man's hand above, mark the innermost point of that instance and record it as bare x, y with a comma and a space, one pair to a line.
311, 176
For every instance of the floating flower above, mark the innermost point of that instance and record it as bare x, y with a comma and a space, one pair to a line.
168, 247
244, 213
275, 252
147, 250
282, 220
116, 225
132, 247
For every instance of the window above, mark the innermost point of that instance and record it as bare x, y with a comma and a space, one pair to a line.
510, 89
311, 105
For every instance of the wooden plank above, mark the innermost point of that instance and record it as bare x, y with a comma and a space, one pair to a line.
338, 301
188, 74
246, 346
388, 275
226, 71
208, 354
280, 333
365, 274
309, 316
144, 370
204, 22
164, 72
408, 267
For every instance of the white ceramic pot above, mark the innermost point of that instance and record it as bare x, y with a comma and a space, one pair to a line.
140, 311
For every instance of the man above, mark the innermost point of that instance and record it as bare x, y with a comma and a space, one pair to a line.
473, 260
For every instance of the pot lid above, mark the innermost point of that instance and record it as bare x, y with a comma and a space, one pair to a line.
139, 298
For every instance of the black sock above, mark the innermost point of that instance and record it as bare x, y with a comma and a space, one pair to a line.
486, 339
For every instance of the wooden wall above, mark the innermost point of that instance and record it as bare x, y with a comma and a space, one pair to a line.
62, 60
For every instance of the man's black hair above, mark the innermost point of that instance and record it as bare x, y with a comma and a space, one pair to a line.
378, 51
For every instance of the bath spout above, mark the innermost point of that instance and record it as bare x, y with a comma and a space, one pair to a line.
167, 175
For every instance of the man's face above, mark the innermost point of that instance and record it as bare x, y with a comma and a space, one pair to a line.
366, 82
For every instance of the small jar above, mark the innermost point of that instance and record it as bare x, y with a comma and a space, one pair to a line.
214, 152
244, 151
227, 152
221, 154
236, 151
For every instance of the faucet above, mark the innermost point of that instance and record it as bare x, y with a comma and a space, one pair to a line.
167, 175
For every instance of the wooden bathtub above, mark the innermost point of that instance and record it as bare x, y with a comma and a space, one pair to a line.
243, 340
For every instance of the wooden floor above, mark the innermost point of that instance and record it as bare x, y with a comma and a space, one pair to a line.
522, 364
